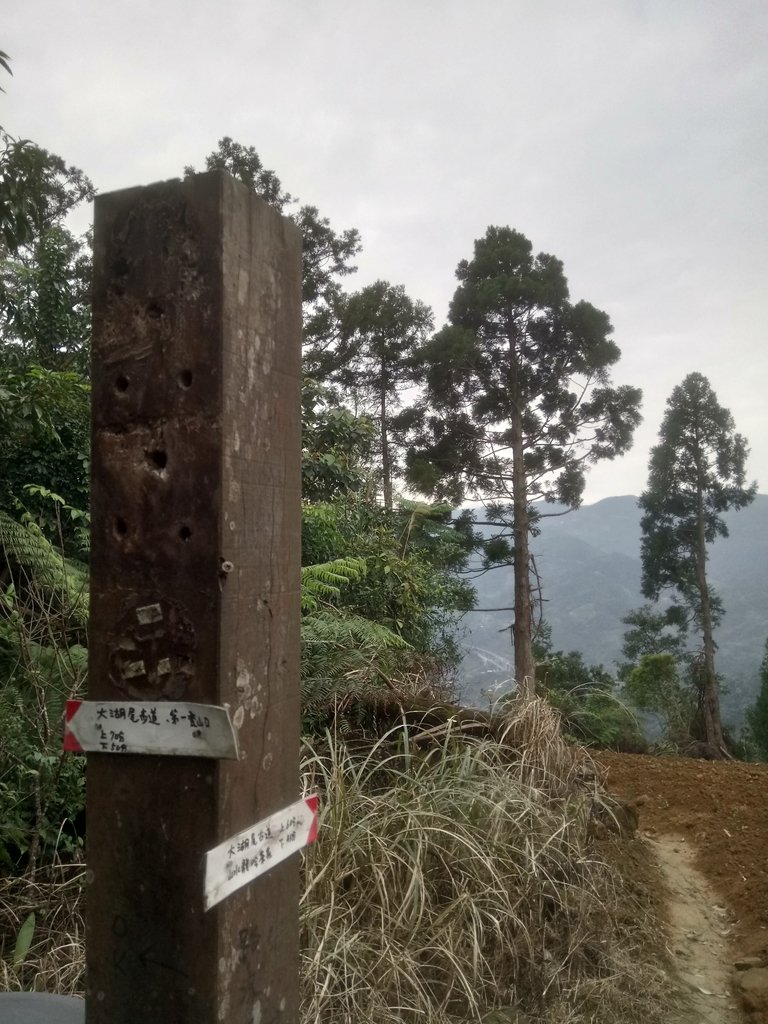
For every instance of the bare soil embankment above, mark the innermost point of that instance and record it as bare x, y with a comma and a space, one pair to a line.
718, 811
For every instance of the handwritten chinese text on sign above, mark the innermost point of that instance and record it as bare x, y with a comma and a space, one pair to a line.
149, 727
252, 852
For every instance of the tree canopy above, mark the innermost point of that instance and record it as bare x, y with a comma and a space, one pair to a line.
45, 274
379, 330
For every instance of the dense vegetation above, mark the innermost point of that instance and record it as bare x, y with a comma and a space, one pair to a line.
381, 593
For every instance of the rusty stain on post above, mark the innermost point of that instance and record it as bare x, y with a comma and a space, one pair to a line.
194, 593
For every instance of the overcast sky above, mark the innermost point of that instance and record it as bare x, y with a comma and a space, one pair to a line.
627, 137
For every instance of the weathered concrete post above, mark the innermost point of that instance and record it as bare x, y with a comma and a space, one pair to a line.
194, 594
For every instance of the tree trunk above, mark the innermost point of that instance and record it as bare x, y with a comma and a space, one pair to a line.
525, 669
710, 692
386, 462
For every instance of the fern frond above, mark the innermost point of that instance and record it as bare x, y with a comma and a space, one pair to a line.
346, 663
323, 630
323, 581
47, 578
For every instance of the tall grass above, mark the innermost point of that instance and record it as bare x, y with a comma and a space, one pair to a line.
456, 880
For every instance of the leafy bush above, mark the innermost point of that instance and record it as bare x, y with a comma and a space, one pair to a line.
43, 613
655, 685
586, 699
757, 716
409, 584
41, 788
598, 719
45, 448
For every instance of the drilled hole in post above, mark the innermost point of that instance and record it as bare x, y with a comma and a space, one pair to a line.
122, 383
154, 310
185, 379
158, 458
121, 527
185, 533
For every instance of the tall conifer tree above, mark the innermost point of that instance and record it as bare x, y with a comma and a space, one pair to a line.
379, 329
696, 473
519, 400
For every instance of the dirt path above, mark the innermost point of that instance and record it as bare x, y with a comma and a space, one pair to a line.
698, 930
708, 822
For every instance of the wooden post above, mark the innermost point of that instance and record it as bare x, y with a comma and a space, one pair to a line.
194, 594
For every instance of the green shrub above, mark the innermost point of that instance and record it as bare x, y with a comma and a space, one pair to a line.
42, 789
43, 613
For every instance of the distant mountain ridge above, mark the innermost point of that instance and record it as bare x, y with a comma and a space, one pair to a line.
589, 563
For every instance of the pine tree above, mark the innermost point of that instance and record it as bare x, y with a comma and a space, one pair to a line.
696, 473
379, 329
519, 400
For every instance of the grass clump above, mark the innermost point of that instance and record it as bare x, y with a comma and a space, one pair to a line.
456, 879
52, 897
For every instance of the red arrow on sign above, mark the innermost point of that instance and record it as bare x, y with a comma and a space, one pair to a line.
149, 727
70, 740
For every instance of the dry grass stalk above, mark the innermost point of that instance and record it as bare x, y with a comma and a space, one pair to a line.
56, 959
456, 881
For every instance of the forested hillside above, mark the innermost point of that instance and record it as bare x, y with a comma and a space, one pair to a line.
589, 562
